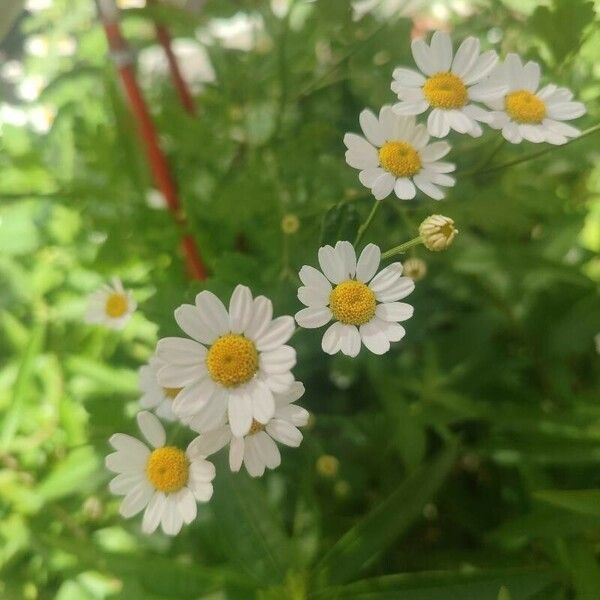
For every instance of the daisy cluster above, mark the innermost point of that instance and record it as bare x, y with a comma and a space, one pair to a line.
458, 92
229, 378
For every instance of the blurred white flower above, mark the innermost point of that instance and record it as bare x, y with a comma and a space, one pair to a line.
31, 87
525, 112
155, 199
155, 397
41, 118
12, 71
233, 364
240, 32
131, 3
37, 45
13, 115
385, 8
111, 306
165, 481
396, 156
363, 303
257, 449
448, 85
193, 60
37, 5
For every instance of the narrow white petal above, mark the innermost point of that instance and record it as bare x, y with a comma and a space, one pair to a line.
383, 186
332, 264
209, 442
565, 111
313, 317
213, 310
124, 482
394, 332
136, 499
331, 338
196, 324
313, 297
370, 125
368, 263
236, 453
373, 336
437, 124
263, 403
410, 108
423, 58
254, 465
153, 513
397, 290
466, 55
240, 309
346, 251
186, 504
171, 521
240, 413
441, 50
267, 450
180, 351
278, 361
262, 313
408, 77
405, 189
350, 341
483, 67
152, 429
423, 183
277, 333
386, 277
312, 277
284, 432
394, 311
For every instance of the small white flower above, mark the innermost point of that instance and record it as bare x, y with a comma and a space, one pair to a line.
396, 156
448, 85
363, 304
256, 449
165, 481
154, 396
111, 305
528, 113
234, 362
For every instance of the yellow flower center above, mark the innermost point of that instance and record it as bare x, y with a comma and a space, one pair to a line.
445, 90
525, 107
352, 302
171, 393
232, 360
400, 159
255, 427
167, 469
116, 305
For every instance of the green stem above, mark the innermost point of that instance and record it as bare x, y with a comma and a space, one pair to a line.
402, 248
363, 228
534, 155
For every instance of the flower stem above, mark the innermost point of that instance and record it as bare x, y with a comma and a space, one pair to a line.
402, 247
363, 228
534, 155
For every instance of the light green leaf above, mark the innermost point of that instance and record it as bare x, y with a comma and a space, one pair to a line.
580, 501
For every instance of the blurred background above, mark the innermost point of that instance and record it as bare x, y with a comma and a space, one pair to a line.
464, 464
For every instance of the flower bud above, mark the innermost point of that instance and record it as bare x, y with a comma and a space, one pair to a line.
415, 268
290, 224
437, 232
327, 465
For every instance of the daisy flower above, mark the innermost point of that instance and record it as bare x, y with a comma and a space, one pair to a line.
165, 481
257, 449
111, 305
448, 85
363, 304
154, 396
526, 112
234, 362
395, 156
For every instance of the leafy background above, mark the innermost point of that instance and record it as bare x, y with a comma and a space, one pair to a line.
468, 457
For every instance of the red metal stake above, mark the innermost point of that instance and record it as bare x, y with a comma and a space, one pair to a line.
158, 163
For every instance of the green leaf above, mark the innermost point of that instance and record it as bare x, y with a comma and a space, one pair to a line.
340, 223
380, 528
580, 501
504, 594
441, 585
251, 530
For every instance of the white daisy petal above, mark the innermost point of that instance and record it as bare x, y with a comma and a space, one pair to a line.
136, 499
349, 340
459, 121
373, 336
263, 403
312, 277
400, 288
348, 255
284, 432
209, 442
383, 186
278, 361
394, 332
186, 504
122, 462
262, 313
368, 177
280, 384
565, 111
466, 55
511, 133
405, 189
180, 351
124, 482
193, 398
195, 324
369, 123
394, 311
267, 450
531, 76
128, 444
240, 413
331, 338
153, 512
368, 263
254, 465
410, 108
313, 297
532, 133
171, 520
212, 413
331, 264
202, 471
441, 50
240, 309
313, 317
213, 310
174, 376
483, 67
236, 453
277, 333
437, 124
423, 57
152, 429
386, 278
296, 415
408, 77
425, 185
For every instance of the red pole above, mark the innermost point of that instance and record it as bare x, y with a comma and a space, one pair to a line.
158, 163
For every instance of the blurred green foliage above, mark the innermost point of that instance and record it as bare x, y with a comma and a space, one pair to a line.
469, 455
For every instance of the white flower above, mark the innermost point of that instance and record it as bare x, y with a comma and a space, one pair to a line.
256, 449
242, 32
363, 304
395, 156
154, 396
448, 85
165, 481
111, 306
528, 113
234, 362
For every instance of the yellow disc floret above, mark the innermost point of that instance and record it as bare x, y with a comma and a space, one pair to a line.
255, 427
171, 393
232, 360
167, 469
400, 159
352, 302
116, 305
525, 107
445, 90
